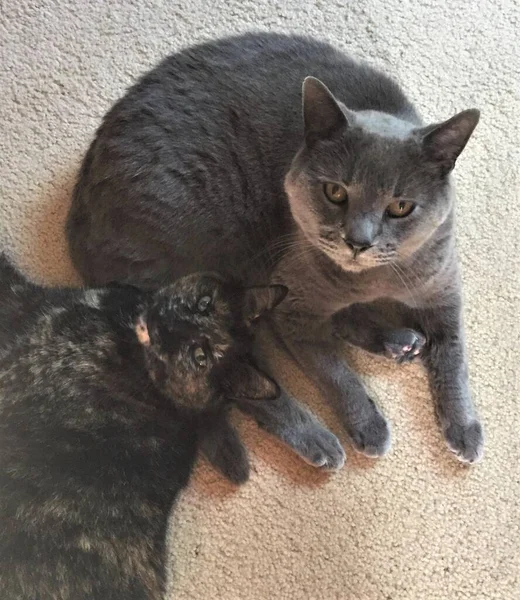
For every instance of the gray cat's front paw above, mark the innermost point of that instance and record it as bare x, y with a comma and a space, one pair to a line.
466, 441
318, 447
371, 438
403, 345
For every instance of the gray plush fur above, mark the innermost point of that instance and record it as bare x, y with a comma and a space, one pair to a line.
206, 163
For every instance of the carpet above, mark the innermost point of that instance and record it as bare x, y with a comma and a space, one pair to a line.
416, 524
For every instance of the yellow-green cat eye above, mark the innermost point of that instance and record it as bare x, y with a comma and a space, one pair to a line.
399, 209
335, 192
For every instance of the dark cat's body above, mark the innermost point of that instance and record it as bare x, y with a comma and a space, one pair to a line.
95, 446
206, 164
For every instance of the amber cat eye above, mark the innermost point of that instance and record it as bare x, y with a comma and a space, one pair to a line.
335, 192
400, 208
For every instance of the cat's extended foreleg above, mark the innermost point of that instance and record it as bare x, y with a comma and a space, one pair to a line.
364, 422
445, 359
297, 427
288, 420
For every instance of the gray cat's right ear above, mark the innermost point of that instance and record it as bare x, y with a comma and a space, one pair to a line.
261, 299
322, 115
443, 142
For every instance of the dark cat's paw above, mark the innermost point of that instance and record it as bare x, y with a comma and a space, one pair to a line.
224, 450
372, 437
318, 447
234, 466
235, 469
466, 441
403, 345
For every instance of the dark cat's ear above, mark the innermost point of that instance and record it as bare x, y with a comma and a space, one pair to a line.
322, 115
259, 300
247, 382
442, 143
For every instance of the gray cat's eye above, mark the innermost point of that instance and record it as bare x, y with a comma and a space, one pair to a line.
335, 193
204, 303
199, 355
399, 209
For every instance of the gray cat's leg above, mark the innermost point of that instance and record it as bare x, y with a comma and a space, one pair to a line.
365, 424
379, 329
297, 427
445, 359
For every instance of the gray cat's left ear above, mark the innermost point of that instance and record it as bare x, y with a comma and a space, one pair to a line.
259, 300
322, 115
247, 382
442, 143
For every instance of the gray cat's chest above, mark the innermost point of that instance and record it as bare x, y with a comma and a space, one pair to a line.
317, 293
322, 292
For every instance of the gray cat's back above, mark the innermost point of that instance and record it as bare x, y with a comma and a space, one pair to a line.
188, 167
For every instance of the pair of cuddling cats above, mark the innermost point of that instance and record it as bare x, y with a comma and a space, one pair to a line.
204, 166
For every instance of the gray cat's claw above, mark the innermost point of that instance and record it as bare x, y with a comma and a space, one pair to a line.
372, 438
320, 448
404, 345
466, 441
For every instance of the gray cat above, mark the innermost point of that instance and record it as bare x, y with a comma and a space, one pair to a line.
105, 397
206, 164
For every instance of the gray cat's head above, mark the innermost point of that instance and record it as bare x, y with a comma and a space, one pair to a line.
367, 188
196, 335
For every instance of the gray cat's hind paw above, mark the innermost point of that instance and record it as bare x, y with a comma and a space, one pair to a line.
404, 345
319, 448
372, 438
466, 441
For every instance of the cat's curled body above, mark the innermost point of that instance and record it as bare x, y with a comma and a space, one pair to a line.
206, 163
105, 397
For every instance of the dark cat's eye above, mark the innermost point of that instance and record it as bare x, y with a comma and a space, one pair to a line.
399, 209
335, 192
203, 304
199, 356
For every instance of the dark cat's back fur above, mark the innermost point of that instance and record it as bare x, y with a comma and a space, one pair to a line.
201, 135
93, 448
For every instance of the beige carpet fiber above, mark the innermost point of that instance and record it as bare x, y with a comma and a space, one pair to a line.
415, 525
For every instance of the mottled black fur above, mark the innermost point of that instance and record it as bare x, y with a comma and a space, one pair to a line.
93, 451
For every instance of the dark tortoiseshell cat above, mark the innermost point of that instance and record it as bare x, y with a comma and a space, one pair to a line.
105, 397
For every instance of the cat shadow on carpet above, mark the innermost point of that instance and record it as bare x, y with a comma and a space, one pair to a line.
43, 253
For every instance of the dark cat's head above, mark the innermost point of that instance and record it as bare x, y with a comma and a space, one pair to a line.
196, 335
367, 188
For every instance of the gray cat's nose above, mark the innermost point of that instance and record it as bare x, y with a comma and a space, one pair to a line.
357, 246
361, 233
